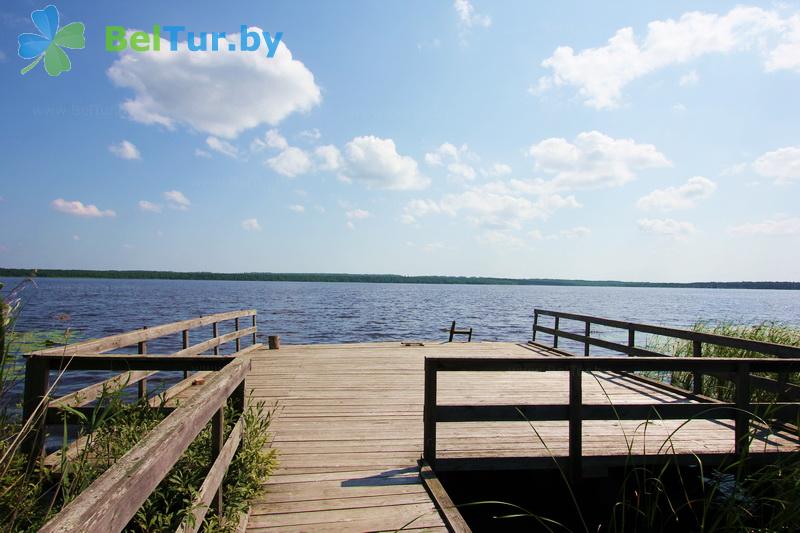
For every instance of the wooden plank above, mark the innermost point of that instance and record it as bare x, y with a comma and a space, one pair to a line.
134, 362
214, 343
452, 516
91, 393
130, 338
110, 502
213, 481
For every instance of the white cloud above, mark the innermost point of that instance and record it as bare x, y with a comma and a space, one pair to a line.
780, 225
491, 204
80, 209
223, 147
357, 214
689, 79
272, 139
311, 135
144, 205
497, 170
675, 198
291, 162
498, 238
125, 150
783, 165
666, 227
376, 163
220, 93
329, 157
594, 160
468, 17
453, 159
600, 74
201, 153
177, 200
578, 232
251, 224
297, 208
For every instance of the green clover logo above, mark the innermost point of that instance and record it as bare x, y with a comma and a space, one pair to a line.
49, 45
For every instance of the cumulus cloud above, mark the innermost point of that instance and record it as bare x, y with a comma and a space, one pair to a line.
80, 209
177, 200
376, 163
454, 159
223, 147
497, 170
779, 225
353, 215
201, 153
329, 157
468, 17
272, 139
311, 135
578, 232
676, 198
251, 224
594, 160
145, 205
667, 227
125, 150
297, 208
291, 162
220, 93
782, 165
600, 74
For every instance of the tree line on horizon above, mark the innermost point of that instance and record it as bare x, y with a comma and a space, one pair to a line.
380, 278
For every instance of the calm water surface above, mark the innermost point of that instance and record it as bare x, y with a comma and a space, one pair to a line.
356, 312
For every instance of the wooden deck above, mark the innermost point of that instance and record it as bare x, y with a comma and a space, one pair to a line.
348, 429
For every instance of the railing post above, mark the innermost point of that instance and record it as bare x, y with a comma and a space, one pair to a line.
238, 339
742, 409
631, 340
697, 377
274, 342
215, 330
217, 442
535, 323
587, 331
429, 414
142, 349
575, 422
452, 331
555, 334
36, 382
185, 345
254, 331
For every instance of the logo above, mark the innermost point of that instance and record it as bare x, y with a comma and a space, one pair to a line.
49, 44
119, 38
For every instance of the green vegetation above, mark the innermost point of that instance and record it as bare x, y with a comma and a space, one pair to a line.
31, 493
383, 278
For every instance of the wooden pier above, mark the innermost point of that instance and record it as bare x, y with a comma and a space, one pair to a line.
362, 429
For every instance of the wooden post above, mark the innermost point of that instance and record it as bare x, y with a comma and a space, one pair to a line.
575, 423
217, 442
185, 345
469, 339
274, 342
36, 382
697, 377
254, 331
535, 323
238, 339
555, 335
142, 382
587, 331
452, 331
215, 330
742, 409
631, 340
429, 414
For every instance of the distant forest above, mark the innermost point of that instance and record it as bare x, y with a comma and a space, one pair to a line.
382, 278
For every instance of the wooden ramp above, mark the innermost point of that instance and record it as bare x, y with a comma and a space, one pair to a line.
348, 427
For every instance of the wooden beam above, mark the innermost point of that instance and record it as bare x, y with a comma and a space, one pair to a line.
120, 363
34, 406
429, 413
214, 343
113, 499
89, 394
444, 504
575, 423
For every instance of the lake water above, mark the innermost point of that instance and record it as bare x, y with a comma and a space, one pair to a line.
354, 312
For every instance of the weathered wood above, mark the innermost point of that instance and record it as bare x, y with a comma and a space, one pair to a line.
92, 392
429, 413
110, 502
587, 331
185, 342
743, 409
555, 332
697, 377
142, 349
450, 513
34, 406
255, 329
575, 423
120, 363
133, 337
215, 334
274, 342
217, 443
238, 339
214, 343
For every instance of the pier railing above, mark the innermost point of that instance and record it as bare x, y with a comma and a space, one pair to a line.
785, 390
576, 412
113, 499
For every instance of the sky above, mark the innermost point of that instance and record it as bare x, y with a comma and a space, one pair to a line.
642, 141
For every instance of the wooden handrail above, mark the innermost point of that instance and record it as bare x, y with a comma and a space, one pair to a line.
113, 499
575, 411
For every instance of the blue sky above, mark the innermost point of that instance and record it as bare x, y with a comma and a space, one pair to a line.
633, 140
